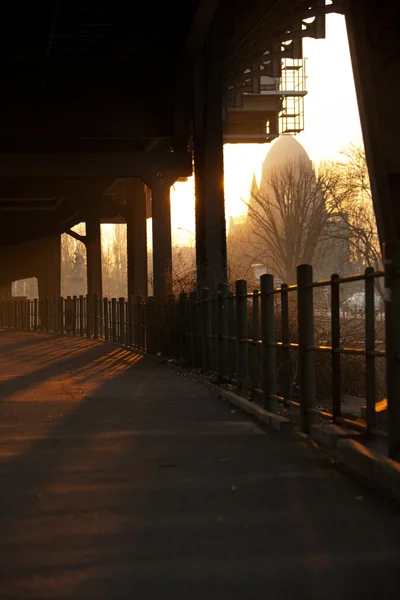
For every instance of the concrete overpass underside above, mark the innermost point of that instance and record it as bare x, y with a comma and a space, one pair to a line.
106, 103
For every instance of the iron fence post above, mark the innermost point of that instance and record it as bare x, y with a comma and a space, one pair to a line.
255, 334
132, 319
140, 317
370, 383
242, 333
114, 319
47, 314
268, 343
151, 326
95, 318
183, 327
392, 325
170, 325
206, 329
223, 331
121, 302
286, 363
214, 333
81, 317
306, 342
89, 314
335, 342
105, 317
192, 326
74, 314
232, 337
54, 320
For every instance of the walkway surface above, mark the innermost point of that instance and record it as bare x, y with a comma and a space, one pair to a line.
120, 479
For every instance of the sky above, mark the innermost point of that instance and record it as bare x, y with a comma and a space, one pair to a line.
331, 123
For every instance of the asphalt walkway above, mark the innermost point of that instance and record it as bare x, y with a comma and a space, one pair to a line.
120, 479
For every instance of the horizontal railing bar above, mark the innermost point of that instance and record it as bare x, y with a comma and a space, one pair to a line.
361, 276
319, 411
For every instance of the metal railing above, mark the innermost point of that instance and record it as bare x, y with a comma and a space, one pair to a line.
236, 337
115, 319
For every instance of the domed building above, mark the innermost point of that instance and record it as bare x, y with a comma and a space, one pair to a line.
286, 223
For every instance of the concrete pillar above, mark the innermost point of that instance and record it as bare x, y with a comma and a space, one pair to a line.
93, 249
373, 40
162, 242
49, 267
137, 237
209, 166
6, 291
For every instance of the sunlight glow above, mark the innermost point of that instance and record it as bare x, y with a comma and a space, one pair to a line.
331, 123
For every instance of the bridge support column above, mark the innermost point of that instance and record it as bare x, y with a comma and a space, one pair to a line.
374, 46
211, 255
93, 249
6, 291
136, 237
162, 241
49, 271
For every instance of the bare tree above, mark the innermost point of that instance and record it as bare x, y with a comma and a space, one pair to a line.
348, 193
114, 262
289, 219
184, 274
69, 249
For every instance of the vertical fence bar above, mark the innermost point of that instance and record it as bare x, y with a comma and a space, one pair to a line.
232, 337
255, 334
114, 319
81, 319
199, 331
268, 343
121, 338
40, 308
95, 318
183, 335
47, 314
69, 314
140, 316
89, 314
151, 335
105, 317
74, 314
131, 318
370, 382
392, 297
61, 315
223, 329
192, 326
170, 325
126, 336
242, 333
136, 324
214, 333
286, 363
53, 314
23, 314
306, 342
206, 329
335, 335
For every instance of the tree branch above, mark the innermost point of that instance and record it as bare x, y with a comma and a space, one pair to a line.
77, 236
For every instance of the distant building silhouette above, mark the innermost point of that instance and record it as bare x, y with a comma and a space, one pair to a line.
248, 258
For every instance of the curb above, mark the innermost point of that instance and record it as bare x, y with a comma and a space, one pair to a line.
268, 419
349, 455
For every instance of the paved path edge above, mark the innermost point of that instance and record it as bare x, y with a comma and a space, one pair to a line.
347, 454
